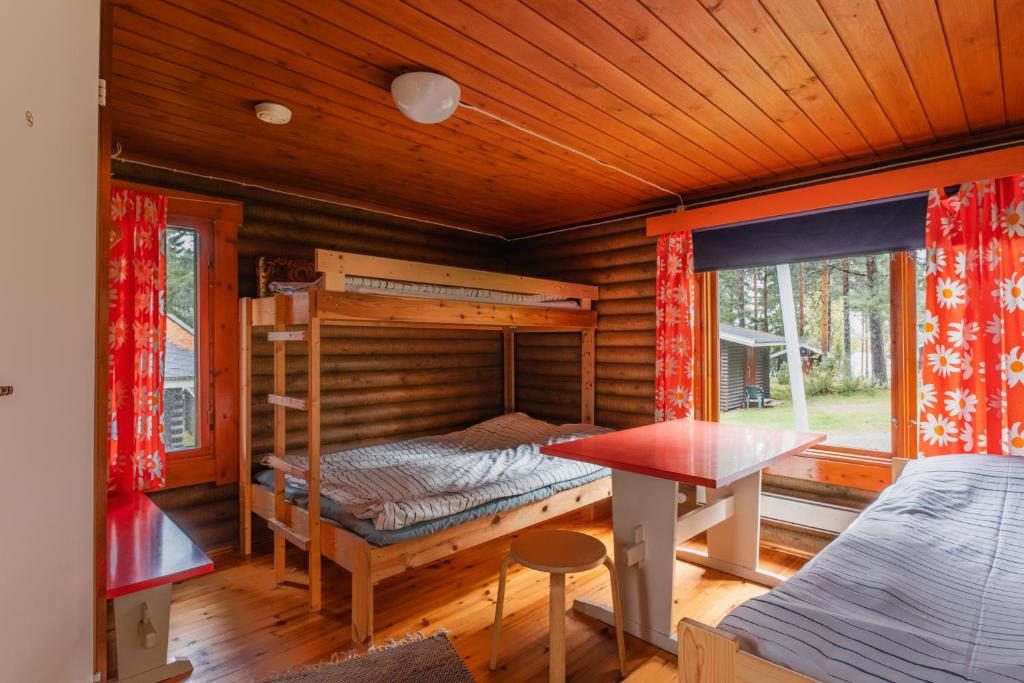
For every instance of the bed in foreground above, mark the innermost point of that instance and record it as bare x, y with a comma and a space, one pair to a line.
927, 585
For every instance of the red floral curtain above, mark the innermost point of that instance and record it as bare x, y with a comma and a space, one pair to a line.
676, 288
972, 393
136, 342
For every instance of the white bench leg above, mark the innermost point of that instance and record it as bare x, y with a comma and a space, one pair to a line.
141, 625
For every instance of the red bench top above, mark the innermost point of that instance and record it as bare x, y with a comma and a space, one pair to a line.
145, 548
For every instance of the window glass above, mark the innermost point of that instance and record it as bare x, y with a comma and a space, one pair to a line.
181, 359
841, 312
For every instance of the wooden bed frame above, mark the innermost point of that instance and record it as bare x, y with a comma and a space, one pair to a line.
332, 305
711, 655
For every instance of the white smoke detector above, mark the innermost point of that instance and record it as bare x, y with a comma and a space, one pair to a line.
272, 112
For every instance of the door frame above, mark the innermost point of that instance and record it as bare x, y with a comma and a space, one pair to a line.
100, 360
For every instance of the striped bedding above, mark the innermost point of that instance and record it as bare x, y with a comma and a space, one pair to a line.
374, 285
926, 585
405, 482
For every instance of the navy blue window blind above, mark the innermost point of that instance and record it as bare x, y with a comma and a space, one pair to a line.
895, 224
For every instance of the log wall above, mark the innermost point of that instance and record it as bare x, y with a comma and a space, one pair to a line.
382, 384
379, 384
620, 259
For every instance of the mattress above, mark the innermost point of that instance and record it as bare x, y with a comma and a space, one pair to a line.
402, 484
372, 285
926, 585
334, 513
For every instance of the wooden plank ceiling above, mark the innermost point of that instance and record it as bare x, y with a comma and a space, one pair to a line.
698, 96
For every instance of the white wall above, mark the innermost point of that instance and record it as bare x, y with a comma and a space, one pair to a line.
49, 52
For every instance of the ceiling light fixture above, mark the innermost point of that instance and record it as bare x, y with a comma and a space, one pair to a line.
425, 97
272, 112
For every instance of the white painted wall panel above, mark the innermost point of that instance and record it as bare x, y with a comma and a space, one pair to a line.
49, 52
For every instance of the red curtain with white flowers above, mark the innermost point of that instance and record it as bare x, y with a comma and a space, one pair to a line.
972, 394
136, 458
675, 327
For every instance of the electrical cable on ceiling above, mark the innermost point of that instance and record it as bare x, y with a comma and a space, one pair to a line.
591, 224
556, 143
336, 202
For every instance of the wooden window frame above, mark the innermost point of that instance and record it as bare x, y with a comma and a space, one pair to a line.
846, 187
839, 465
217, 221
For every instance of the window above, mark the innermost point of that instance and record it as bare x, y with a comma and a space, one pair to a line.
181, 361
201, 361
818, 331
840, 349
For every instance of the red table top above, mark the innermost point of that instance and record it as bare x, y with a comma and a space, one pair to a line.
702, 453
145, 548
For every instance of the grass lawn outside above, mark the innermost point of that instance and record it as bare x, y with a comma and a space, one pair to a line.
861, 420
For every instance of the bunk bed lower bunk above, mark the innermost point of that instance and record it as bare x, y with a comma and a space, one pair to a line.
379, 510
372, 553
926, 585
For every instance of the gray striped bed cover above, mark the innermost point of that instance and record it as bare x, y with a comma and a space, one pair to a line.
401, 483
926, 585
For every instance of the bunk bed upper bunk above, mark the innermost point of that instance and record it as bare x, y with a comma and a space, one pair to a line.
360, 527
359, 290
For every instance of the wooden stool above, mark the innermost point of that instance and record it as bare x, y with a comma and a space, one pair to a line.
558, 553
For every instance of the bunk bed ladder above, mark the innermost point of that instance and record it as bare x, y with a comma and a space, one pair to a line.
281, 523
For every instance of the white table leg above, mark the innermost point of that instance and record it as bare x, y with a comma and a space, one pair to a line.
734, 544
646, 584
141, 625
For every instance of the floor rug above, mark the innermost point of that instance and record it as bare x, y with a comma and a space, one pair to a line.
413, 659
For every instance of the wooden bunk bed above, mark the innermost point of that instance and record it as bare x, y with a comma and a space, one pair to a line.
299, 317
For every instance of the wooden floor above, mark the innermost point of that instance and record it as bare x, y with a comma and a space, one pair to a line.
236, 625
